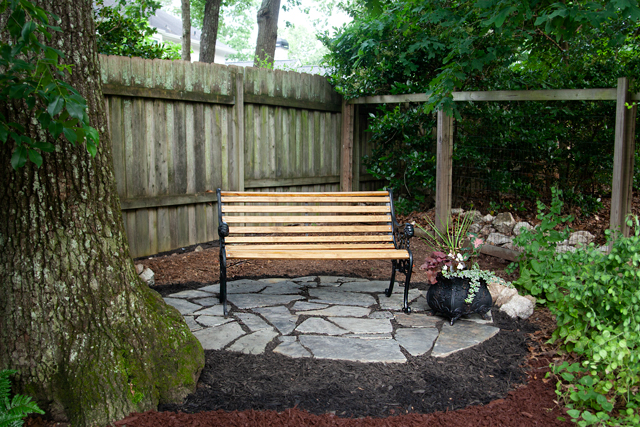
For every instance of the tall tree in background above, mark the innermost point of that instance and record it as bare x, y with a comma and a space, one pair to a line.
267, 32
186, 30
210, 31
92, 343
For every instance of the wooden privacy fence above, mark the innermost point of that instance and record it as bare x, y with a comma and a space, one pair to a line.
624, 143
180, 130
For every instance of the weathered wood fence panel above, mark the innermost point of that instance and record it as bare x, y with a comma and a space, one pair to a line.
180, 130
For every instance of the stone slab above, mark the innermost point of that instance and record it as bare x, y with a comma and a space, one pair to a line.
209, 321
218, 337
338, 311
315, 325
417, 341
303, 305
364, 326
216, 310
396, 301
331, 279
353, 349
417, 320
192, 293
330, 296
381, 315
292, 349
207, 302
247, 301
280, 317
420, 304
461, 335
374, 286
274, 280
214, 289
183, 306
191, 323
307, 280
282, 288
254, 343
245, 286
253, 322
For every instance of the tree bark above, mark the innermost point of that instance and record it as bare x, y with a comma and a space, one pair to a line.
210, 31
186, 31
267, 33
92, 343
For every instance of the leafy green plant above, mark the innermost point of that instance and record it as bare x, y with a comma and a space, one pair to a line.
30, 72
450, 237
541, 269
14, 410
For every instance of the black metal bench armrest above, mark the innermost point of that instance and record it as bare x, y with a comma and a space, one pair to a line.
223, 230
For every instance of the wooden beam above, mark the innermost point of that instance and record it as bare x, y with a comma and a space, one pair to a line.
169, 94
390, 99
346, 155
444, 169
290, 182
621, 186
302, 104
169, 200
238, 138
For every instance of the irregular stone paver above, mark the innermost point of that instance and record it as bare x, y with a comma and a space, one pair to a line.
372, 336
381, 315
273, 280
396, 300
280, 317
316, 325
207, 302
417, 320
303, 305
353, 349
282, 288
374, 286
192, 293
214, 289
417, 341
331, 279
287, 338
420, 304
218, 337
461, 335
339, 311
253, 322
292, 349
254, 343
216, 310
330, 296
245, 286
364, 326
307, 280
209, 321
245, 301
352, 279
191, 323
183, 306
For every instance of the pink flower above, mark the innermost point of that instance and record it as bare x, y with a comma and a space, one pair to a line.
477, 242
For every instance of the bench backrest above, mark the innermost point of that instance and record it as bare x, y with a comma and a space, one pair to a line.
357, 220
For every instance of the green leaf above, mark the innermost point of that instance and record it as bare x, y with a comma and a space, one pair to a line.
55, 106
75, 108
28, 28
70, 134
19, 157
44, 146
573, 413
35, 157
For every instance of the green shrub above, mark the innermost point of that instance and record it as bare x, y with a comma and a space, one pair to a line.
13, 411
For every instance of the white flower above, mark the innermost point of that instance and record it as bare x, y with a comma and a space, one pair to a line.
444, 268
460, 258
461, 266
451, 255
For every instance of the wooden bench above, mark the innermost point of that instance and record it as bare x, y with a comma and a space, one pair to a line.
318, 226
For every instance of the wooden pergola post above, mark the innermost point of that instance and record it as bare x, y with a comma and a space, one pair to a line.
444, 169
346, 155
623, 158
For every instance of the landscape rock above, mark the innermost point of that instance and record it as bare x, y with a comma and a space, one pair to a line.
560, 249
476, 216
457, 211
517, 229
198, 249
581, 237
498, 239
488, 218
505, 295
518, 307
504, 223
139, 268
486, 230
148, 276
475, 227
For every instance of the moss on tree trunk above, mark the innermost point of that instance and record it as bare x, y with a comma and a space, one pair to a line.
91, 341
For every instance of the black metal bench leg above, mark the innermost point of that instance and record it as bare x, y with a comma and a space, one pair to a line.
389, 290
223, 281
407, 281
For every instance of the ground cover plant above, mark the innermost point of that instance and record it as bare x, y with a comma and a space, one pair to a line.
596, 300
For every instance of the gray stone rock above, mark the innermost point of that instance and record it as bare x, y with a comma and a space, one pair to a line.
213, 289
282, 288
183, 306
316, 325
139, 268
488, 218
191, 323
329, 296
307, 280
560, 249
581, 237
476, 216
417, 320
504, 294
198, 249
420, 304
273, 280
338, 311
331, 280
373, 286
518, 307
498, 239
381, 315
487, 230
307, 306
216, 310
287, 338
364, 326
353, 349
504, 223
396, 301
207, 302
517, 229
245, 301
475, 228
218, 337
417, 341
190, 294
254, 343
148, 276
210, 321
253, 322
280, 317
245, 286
457, 211
461, 335
292, 349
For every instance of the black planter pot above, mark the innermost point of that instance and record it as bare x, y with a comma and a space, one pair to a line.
447, 297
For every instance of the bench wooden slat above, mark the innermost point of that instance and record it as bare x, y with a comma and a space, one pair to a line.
297, 219
304, 199
305, 209
307, 239
232, 252
303, 194
316, 246
313, 229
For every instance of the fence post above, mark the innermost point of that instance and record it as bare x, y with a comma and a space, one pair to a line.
623, 159
236, 169
346, 157
443, 169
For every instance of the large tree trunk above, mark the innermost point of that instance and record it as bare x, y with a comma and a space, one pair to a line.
186, 31
91, 341
267, 32
210, 31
